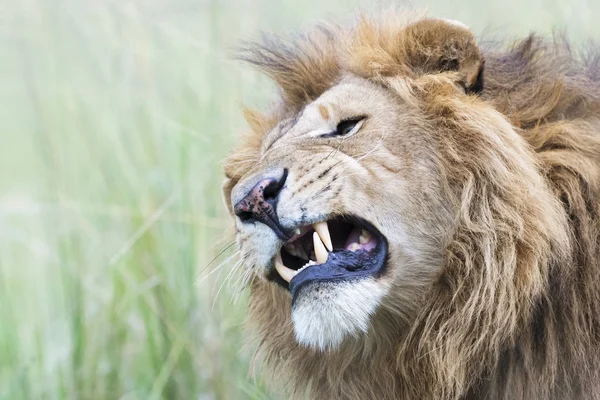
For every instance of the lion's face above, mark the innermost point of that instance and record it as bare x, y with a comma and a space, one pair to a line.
343, 204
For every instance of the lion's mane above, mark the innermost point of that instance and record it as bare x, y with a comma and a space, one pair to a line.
515, 310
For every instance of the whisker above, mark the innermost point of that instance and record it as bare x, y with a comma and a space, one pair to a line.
334, 151
235, 267
232, 284
227, 247
240, 285
371, 151
363, 156
218, 267
245, 282
216, 281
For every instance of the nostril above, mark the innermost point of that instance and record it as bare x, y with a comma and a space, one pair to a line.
272, 190
244, 215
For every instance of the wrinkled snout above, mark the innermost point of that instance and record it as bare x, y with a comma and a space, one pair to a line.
259, 204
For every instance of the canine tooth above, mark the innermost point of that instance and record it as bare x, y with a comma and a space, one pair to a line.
297, 231
320, 251
286, 273
323, 230
365, 237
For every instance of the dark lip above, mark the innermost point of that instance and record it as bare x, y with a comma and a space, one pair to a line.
342, 265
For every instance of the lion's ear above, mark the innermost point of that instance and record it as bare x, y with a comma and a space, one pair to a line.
436, 45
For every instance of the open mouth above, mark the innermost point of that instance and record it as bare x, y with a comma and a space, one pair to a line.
334, 250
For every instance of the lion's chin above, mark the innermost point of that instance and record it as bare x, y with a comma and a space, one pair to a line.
335, 271
329, 312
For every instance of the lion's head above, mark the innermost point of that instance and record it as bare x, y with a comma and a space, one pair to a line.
387, 212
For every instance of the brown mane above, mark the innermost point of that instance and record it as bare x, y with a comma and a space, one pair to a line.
515, 312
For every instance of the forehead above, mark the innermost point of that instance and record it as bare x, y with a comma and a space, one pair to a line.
351, 97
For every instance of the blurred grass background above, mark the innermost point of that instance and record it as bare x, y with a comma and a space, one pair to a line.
115, 117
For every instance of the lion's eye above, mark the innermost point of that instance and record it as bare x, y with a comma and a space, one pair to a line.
347, 127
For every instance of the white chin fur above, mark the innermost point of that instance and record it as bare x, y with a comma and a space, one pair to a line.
325, 313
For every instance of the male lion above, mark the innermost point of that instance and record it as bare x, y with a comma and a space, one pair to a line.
419, 216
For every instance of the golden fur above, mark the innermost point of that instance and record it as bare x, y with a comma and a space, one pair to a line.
494, 157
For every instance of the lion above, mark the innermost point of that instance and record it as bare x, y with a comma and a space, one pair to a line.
418, 214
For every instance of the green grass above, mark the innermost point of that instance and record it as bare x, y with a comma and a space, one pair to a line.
115, 118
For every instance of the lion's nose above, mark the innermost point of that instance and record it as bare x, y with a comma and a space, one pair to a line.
261, 202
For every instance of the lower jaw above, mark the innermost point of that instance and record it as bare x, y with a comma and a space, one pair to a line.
343, 266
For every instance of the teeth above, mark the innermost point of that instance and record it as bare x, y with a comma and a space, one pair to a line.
365, 237
323, 230
308, 264
297, 231
354, 246
286, 273
320, 251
